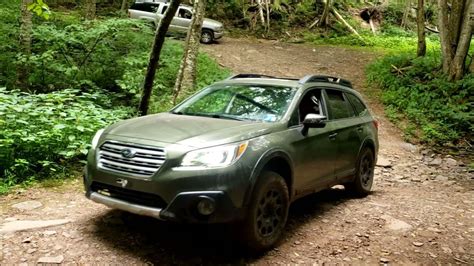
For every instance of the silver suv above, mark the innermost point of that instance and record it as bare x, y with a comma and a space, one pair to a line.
153, 11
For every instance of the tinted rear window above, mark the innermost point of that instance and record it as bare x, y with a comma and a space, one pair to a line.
359, 106
339, 106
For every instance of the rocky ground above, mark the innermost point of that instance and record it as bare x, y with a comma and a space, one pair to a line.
421, 210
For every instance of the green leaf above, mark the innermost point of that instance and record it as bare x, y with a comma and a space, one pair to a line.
59, 126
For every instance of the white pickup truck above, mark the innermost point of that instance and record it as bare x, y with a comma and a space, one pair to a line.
154, 10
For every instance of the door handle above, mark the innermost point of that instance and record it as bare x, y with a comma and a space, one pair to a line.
333, 136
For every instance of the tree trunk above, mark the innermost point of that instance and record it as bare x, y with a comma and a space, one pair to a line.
343, 21
124, 6
26, 27
456, 29
458, 67
155, 55
89, 9
260, 11
186, 79
323, 21
267, 7
420, 21
406, 14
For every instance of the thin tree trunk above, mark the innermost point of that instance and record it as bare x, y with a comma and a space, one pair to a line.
465, 35
406, 14
155, 55
323, 21
340, 18
267, 6
260, 11
186, 78
420, 21
444, 35
89, 9
124, 6
26, 27
372, 26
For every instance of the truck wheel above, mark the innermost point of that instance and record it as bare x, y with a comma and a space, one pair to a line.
364, 175
267, 213
207, 36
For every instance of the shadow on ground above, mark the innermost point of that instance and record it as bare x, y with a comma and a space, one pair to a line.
154, 241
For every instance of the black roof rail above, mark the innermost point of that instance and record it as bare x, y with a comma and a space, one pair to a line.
250, 76
325, 78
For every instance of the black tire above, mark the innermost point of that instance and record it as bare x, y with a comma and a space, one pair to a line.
267, 213
207, 36
364, 175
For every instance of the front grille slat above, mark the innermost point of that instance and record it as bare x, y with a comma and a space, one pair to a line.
132, 196
144, 162
139, 149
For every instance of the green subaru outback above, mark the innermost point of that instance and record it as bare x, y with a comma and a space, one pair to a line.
240, 150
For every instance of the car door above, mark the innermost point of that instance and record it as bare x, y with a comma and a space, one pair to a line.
182, 19
313, 151
346, 133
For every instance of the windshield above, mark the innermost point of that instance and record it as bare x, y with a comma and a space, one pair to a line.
240, 102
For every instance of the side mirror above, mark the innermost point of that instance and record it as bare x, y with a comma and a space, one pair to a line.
314, 121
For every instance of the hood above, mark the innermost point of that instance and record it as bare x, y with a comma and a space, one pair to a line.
186, 130
212, 23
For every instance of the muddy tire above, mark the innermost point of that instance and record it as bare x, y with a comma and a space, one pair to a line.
267, 213
364, 175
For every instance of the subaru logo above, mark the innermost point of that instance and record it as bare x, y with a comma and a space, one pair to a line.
122, 182
128, 153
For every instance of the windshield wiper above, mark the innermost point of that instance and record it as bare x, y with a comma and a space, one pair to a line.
219, 116
227, 117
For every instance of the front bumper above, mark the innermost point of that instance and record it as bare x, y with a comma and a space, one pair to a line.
218, 35
182, 208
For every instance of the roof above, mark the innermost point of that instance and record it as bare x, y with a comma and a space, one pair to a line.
288, 82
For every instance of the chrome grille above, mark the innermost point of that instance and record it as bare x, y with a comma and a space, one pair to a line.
133, 159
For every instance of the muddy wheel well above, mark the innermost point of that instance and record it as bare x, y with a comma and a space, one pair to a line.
283, 168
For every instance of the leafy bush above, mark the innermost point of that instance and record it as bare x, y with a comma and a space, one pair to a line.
386, 41
437, 111
208, 72
85, 54
40, 132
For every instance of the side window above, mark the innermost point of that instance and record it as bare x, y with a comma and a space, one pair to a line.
360, 108
184, 13
310, 104
154, 7
138, 6
164, 9
339, 106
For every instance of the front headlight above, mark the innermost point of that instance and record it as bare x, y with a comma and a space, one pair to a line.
96, 138
215, 157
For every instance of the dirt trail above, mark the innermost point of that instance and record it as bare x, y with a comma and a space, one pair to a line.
421, 211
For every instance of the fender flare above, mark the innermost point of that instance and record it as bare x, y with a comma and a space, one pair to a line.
260, 165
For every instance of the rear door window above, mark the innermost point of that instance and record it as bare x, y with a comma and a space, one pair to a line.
339, 106
147, 7
359, 106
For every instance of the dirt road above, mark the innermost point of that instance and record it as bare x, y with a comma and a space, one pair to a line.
421, 210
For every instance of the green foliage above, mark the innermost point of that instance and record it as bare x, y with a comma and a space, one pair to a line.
85, 54
40, 8
413, 89
41, 132
208, 72
9, 36
387, 41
